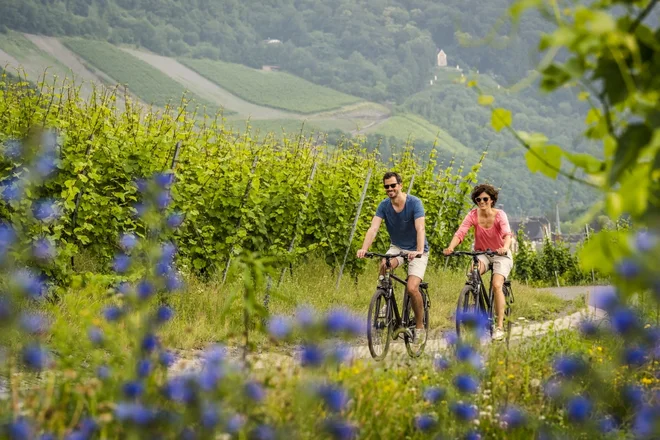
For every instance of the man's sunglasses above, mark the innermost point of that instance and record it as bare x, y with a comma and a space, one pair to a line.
391, 185
479, 199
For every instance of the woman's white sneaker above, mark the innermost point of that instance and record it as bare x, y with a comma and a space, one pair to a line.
498, 334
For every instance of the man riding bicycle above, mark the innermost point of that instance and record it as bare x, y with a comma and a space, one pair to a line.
491, 231
404, 219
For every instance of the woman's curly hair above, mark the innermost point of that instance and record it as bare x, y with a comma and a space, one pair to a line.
488, 189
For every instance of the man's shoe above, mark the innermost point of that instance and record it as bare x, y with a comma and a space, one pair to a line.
498, 334
419, 336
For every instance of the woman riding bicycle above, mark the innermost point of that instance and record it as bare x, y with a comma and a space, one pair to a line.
491, 231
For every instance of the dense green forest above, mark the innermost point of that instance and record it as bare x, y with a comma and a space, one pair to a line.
384, 51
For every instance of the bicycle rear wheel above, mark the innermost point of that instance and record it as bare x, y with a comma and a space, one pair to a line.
508, 312
466, 304
379, 325
415, 350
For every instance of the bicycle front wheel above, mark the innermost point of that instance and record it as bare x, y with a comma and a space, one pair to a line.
415, 349
466, 304
379, 325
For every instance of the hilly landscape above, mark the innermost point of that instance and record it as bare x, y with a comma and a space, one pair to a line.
330, 69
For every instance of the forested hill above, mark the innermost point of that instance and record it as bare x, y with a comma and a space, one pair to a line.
376, 49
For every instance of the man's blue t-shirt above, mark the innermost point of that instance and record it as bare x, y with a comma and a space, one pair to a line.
401, 226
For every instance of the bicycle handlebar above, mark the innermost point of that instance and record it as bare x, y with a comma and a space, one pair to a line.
389, 256
472, 254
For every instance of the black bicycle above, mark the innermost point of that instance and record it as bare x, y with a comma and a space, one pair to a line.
474, 300
384, 322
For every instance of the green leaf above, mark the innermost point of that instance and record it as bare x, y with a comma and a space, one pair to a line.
199, 263
630, 145
545, 159
486, 99
500, 118
585, 161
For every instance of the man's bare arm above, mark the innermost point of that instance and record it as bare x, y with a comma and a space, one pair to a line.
370, 236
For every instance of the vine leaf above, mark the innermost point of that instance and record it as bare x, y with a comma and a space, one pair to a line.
545, 159
500, 118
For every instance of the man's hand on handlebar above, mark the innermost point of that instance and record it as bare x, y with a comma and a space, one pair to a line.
414, 254
361, 253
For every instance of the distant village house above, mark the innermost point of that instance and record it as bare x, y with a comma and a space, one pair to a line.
267, 68
442, 58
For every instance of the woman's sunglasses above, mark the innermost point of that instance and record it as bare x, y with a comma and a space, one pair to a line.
392, 185
479, 199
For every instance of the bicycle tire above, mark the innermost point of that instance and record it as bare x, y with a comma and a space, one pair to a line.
508, 313
407, 311
466, 303
374, 321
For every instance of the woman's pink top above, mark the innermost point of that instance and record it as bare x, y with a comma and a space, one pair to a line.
491, 238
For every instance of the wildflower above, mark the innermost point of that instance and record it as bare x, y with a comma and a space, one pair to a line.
645, 241
578, 409
464, 352
569, 366
210, 417
133, 389
45, 210
172, 282
163, 200
143, 368
88, 427
167, 252
305, 316
633, 395
234, 423
473, 435
45, 165
340, 353
262, 432
29, 283
340, 429
7, 237
337, 320
33, 324
166, 358
451, 338
12, 149
35, 357
164, 180
645, 424
124, 288
178, 389
175, 220
440, 363
463, 411
434, 394
43, 250
145, 289
254, 391
513, 417
20, 429
140, 209
121, 263
128, 241
606, 424
334, 397
11, 190
215, 354
134, 412
466, 384
634, 356
149, 343
95, 335
425, 422
311, 356
605, 298
624, 321
279, 327
209, 377
552, 388
588, 328
628, 268
112, 313
103, 372
142, 185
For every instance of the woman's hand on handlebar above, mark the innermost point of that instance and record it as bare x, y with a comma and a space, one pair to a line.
361, 253
448, 251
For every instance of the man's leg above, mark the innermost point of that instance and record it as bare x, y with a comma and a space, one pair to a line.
416, 298
383, 265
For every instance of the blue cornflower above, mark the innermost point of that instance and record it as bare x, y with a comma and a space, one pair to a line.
464, 352
645, 241
634, 356
441, 363
141, 184
434, 394
45, 210
128, 241
167, 252
605, 298
472, 435
145, 289
162, 268
33, 323
133, 389
140, 209
569, 366
588, 328
124, 288
88, 426
451, 338
35, 357
305, 316
20, 429
628, 268
12, 149
49, 141
43, 249
279, 327
29, 283
262, 432
334, 397
47, 436
164, 180
179, 389
11, 190
341, 352
149, 343
45, 165
425, 422
95, 335
633, 395
210, 417
311, 356
645, 424
552, 388
112, 313
254, 391
166, 358
163, 200
121, 263
578, 409
143, 368
175, 220
340, 429
624, 321
337, 320
215, 355
134, 412
606, 424
7, 237
464, 411
173, 282
513, 417
473, 320
234, 423
164, 314
209, 377
466, 384
103, 372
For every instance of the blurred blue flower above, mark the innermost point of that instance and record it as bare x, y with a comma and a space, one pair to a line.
588, 328
166, 358
234, 423
473, 435
334, 397
134, 412
128, 241
646, 422
6, 309
337, 320
466, 384
215, 354
173, 282
434, 394
143, 368
262, 432
103, 372
425, 422
11, 190
311, 356
112, 313
341, 352
43, 249
569, 366
514, 417
88, 426
340, 429
145, 289
45, 210
164, 180
162, 268
210, 417
578, 409
628, 268
164, 314
279, 327
7, 238
209, 377
163, 200
33, 323
464, 411
141, 184
47, 436
49, 141
552, 388
167, 252
140, 209
606, 424
451, 338
645, 241
473, 320
121, 263
441, 363
29, 283
624, 321
124, 288
633, 395
149, 343
35, 357
605, 297
133, 389
464, 352
174, 220
179, 389
95, 335
12, 149
20, 429
45, 164
634, 356
254, 391
305, 316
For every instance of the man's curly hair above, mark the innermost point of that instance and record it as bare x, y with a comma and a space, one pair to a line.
488, 189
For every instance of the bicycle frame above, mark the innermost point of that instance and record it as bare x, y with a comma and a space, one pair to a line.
486, 300
389, 287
